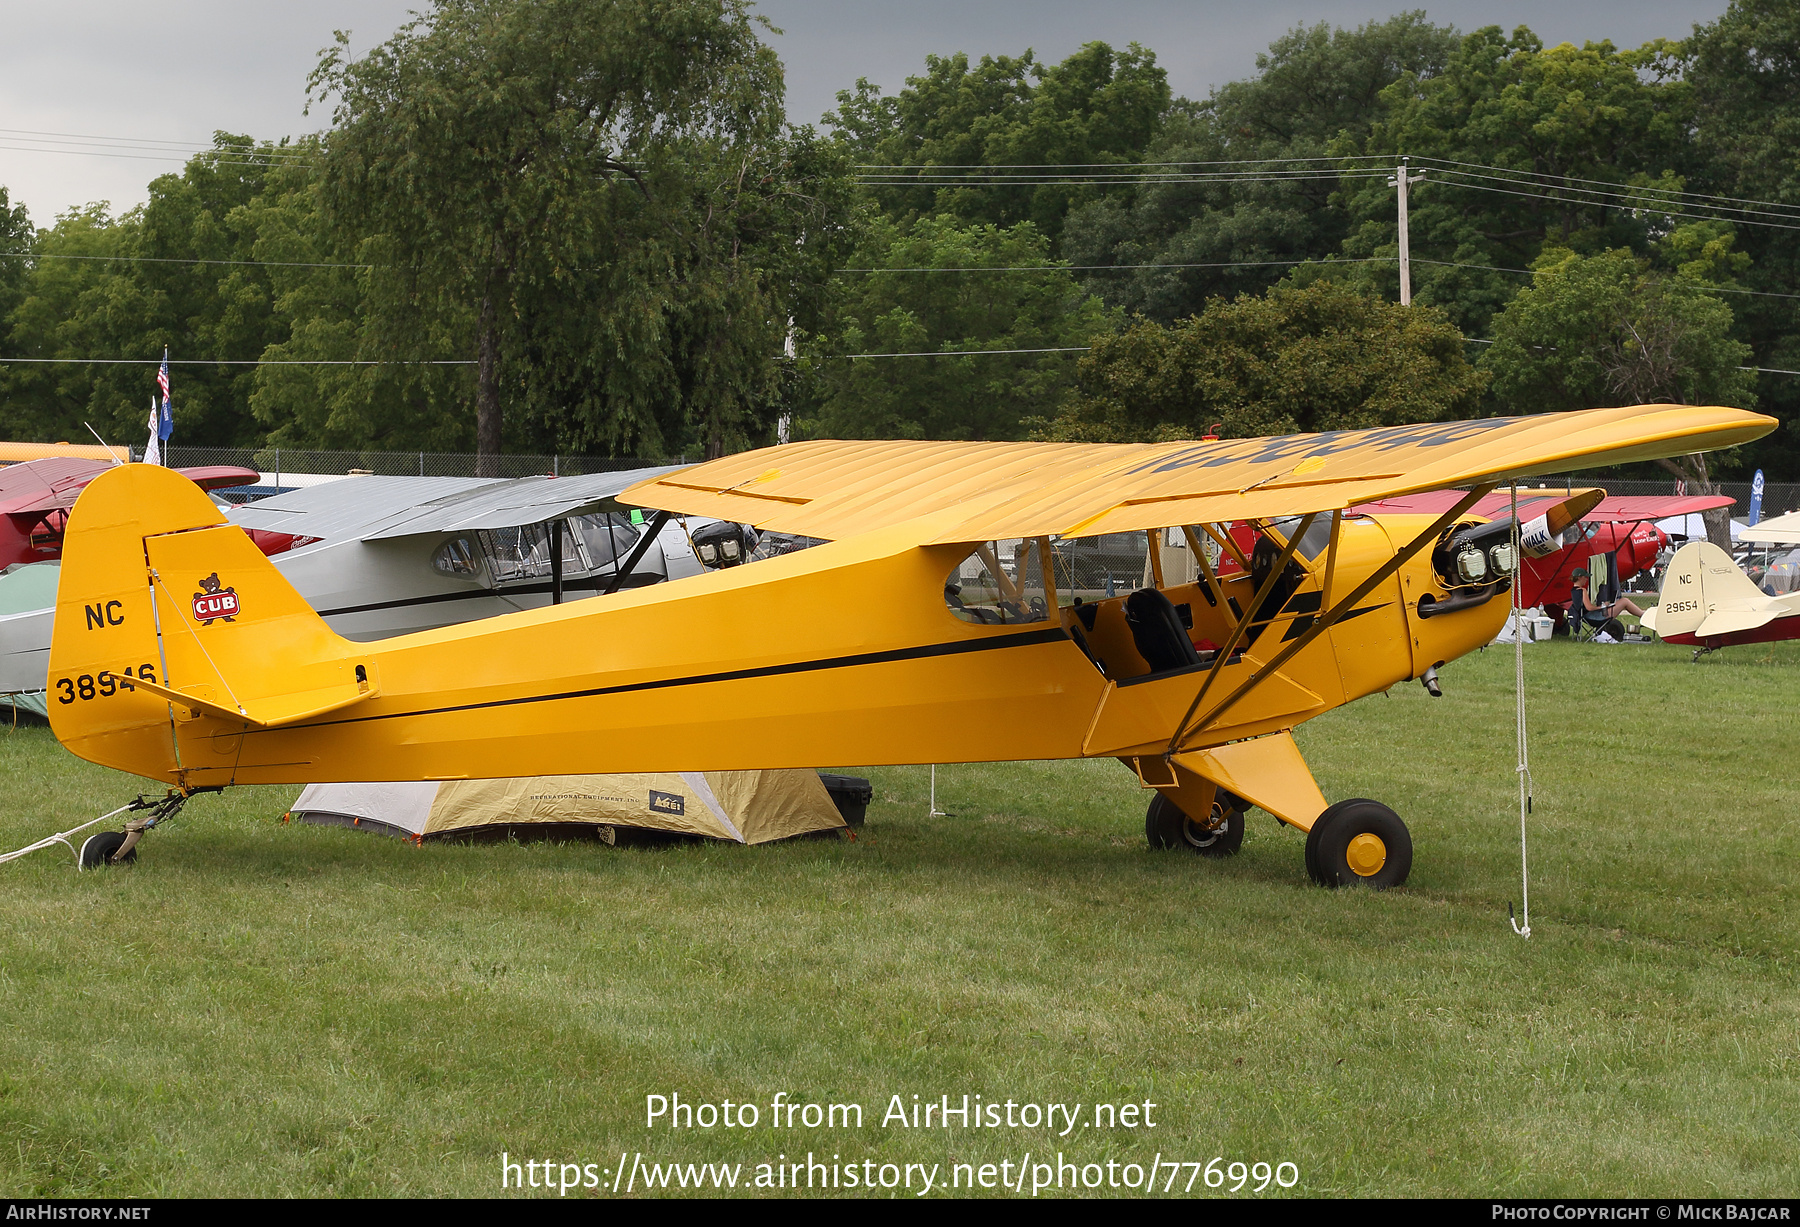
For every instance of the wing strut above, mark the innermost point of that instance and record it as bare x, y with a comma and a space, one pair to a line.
1243, 625
621, 570
1328, 620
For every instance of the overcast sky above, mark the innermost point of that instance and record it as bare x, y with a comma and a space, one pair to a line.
174, 72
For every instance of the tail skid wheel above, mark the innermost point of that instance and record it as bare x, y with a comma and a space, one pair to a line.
1359, 843
97, 850
1167, 826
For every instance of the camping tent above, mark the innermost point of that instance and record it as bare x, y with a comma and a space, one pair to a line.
1692, 527
749, 807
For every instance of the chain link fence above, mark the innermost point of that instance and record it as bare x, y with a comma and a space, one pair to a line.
273, 461
1778, 496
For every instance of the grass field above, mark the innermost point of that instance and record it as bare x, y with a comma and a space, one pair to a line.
266, 1009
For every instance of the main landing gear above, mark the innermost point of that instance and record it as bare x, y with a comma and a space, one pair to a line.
1222, 834
1359, 843
1353, 843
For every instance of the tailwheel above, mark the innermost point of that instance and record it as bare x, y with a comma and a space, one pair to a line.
1359, 843
97, 851
1166, 825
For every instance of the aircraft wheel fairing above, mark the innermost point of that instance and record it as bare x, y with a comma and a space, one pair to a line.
97, 850
1359, 843
1166, 825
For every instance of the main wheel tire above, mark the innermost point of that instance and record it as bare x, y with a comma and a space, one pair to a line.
97, 850
1166, 825
1359, 843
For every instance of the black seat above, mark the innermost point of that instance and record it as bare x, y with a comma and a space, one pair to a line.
1157, 631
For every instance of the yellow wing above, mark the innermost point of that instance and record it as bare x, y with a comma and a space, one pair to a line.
838, 489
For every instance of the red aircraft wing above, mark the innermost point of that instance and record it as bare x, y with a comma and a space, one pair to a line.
1547, 580
34, 493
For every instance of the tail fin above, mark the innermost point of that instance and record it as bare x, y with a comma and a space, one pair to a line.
1704, 592
170, 623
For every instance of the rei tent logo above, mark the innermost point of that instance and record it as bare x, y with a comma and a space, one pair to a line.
213, 602
667, 802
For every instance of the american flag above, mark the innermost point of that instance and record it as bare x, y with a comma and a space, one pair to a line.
166, 425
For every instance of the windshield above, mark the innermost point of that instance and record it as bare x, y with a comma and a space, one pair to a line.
1003, 582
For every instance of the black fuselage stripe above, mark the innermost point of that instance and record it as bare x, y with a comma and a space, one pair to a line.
925, 651
592, 583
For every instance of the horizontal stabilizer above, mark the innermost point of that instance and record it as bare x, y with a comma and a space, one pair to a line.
263, 713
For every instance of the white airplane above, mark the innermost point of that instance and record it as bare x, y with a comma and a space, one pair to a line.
1708, 602
383, 556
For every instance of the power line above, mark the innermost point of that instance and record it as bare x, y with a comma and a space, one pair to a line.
924, 353
965, 353
1121, 170
1080, 268
1341, 157
1604, 204
1320, 261
1628, 194
1108, 180
1578, 179
1628, 201
1763, 370
127, 140
249, 361
1111, 171
33, 255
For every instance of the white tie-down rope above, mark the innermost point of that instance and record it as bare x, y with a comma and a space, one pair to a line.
62, 837
1524, 768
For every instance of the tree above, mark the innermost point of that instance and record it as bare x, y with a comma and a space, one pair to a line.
1323, 357
165, 274
310, 392
897, 309
1743, 70
1611, 330
16, 240
499, 160
1317, 92
1099, 106
1567, 118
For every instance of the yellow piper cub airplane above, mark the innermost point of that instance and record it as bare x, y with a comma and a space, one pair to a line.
181, 654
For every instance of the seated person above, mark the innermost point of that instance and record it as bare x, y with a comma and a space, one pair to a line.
1581, 602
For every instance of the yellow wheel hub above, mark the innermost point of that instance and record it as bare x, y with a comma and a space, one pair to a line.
1366, 854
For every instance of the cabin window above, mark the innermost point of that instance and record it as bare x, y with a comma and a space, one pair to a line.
774, 545
608, 537
457, 558
1315, 539
523, 553
1003, 582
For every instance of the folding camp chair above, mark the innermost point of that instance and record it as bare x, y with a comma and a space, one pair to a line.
1603, 590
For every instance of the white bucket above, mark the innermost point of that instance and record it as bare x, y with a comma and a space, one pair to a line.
1542, 628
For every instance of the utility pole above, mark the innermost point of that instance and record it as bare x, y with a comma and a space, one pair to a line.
784, 425
1402, 180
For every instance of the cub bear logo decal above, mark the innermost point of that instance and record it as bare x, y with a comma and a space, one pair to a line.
213, 602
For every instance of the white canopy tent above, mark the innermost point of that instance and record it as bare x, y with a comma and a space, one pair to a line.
1692, 527
1780, 530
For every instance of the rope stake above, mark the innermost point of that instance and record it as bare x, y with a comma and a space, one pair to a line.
62, 837
1524, 767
